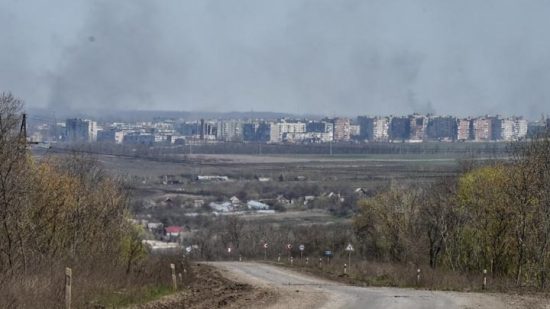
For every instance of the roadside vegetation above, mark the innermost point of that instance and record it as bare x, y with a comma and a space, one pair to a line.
57, 213
494, 217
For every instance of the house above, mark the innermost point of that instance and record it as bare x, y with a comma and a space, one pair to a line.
361, 191
154, 226
283, 200
263, 179
235, 200
255, 205
221, 207
212, 178
173, 231
198, 203
308, 198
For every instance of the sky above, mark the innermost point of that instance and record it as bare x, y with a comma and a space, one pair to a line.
330, 57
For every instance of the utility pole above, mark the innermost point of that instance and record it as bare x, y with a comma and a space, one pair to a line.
23, 129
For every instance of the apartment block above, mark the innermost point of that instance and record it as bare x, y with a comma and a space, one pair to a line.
418, 125
464, 129
374, 128
483, 129
444, 128
400, 128
342, 130
79, 130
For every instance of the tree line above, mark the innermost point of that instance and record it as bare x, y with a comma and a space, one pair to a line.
494, 217
56, 212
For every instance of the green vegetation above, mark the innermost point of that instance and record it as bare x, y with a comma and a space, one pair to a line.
494, 217
64, 212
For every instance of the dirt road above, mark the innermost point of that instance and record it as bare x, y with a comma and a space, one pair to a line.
297, 290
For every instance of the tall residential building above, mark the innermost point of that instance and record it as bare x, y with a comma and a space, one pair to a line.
483, 128
400, 128
418, 125
354, 131
502, 129
229, 130
464, 129
288, 127
442, 128
374, 129
250, 131
520, 128
79, 131
342, 130
320, 127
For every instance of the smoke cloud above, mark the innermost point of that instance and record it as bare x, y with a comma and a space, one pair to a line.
344, 57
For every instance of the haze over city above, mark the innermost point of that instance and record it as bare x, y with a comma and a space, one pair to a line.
325, 57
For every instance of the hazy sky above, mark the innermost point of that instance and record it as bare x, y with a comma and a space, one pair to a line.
334, 57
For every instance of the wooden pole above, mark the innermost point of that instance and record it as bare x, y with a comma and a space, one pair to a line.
68, 284
349, 259
174, 280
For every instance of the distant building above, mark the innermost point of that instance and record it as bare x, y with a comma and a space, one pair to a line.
342, 130
229, 130
418, 125
320, 127
354, 131
285, 127
267, 132
110, 136
442, 128
137, 138
173, 231
520, 128
502, 129
250, 131
464, 129
80, 131
373, 129
400, 128
255, 205
483, 129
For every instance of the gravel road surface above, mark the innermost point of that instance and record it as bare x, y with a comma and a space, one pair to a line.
296, 290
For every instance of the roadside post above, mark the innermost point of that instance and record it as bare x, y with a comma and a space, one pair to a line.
320, 262
307, 260
418, 276
289, 248
291, 261
484, 279
345, 268
279, 258
265, 251
229, 252
174, 281
301, 247
68, 284
328, 254
349, 249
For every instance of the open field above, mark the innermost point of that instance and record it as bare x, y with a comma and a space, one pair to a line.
153, 181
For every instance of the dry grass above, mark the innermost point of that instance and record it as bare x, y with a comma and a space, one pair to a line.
365, 273
92, 288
